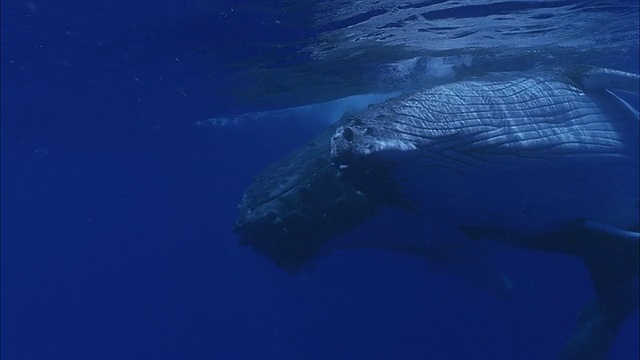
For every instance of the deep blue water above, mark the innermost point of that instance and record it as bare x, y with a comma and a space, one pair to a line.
117, 210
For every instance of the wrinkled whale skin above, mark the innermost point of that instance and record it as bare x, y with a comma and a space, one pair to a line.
528, 151
544, 160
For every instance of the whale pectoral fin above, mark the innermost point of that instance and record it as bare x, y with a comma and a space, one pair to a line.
591, 78
612, 256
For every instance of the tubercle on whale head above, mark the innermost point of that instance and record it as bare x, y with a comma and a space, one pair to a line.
352, 142
341, 147
372, 138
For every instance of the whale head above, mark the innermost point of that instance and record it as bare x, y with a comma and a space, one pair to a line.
295, 206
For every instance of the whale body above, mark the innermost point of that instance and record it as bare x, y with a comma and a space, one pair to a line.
526, 151
546, 160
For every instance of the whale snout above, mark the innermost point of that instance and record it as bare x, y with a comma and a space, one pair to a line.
292, 228
294, 207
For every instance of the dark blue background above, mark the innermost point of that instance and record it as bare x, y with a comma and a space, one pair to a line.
117, 213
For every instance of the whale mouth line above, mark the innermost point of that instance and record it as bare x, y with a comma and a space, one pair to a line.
292, 187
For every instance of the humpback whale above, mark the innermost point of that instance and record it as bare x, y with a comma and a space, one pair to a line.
545, 160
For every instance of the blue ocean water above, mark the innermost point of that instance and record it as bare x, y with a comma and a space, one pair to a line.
120, 178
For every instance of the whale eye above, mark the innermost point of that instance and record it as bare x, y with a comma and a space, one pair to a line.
347, 133
368, 130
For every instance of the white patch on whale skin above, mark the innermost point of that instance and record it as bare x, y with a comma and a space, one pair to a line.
325, 113
392, 148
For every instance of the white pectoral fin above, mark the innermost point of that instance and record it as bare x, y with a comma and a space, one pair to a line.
626, 105
592, 78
